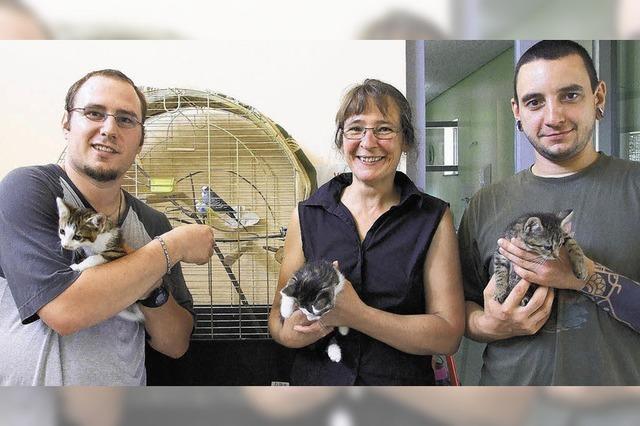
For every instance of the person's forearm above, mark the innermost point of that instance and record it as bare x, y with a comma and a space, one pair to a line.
422, 334
104, 290
275, 326
616, 294
170, 327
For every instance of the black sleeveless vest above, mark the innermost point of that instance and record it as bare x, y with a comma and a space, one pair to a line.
386, 269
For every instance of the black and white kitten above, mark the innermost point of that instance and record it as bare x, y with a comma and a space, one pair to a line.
313, 289
543, 234
100, 240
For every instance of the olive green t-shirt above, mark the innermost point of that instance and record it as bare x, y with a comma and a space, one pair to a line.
580, 344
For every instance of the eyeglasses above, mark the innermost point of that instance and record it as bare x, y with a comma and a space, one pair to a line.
123, 120
358, 132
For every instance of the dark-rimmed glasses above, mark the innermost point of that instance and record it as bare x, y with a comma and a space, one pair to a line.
358, 132
123, 120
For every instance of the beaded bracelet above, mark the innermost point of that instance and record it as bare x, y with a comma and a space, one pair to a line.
166, 252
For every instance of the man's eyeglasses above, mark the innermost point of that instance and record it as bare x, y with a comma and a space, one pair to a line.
123, 120
358, 132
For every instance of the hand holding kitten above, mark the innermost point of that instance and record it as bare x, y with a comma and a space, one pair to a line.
300, 332
348, 306
508, 319
556, 273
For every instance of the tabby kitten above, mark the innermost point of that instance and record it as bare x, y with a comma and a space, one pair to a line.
313, 289
100, 240
544, 234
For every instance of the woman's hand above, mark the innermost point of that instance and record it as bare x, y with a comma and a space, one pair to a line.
348, 307
297, 331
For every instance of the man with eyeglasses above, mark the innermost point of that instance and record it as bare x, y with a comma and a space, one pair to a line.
574, 330
59, 326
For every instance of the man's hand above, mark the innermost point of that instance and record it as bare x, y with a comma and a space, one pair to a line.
190, 243
501, 321
555, 273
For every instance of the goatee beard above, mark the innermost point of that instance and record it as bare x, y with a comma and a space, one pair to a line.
563, 156
100, 175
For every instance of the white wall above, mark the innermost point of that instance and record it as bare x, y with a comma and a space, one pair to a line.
298, 84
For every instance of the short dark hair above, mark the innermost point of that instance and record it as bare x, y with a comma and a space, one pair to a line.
556, 49
380, 93
109, 73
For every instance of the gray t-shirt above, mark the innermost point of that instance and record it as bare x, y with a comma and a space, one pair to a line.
580, 344
34, 270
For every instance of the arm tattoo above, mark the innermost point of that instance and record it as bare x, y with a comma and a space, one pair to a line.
615, 294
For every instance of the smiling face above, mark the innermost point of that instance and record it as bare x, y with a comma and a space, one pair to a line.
371, 159
557, 107
102, 150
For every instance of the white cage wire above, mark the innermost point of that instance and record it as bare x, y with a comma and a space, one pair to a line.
208, 158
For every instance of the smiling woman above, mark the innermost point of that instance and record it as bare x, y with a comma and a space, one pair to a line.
396, 247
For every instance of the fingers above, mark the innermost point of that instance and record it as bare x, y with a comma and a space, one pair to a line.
539, 318
316, 327
526, 274
518, 292
519, 257
546, 304
518, 248
538, 299
490, 289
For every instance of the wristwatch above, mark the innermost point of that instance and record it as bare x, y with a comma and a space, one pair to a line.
156, 298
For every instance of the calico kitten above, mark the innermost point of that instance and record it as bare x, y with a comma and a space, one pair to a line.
97, 236
313, 289
544, 234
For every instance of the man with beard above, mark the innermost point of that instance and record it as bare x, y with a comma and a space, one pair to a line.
572, 331
59, 326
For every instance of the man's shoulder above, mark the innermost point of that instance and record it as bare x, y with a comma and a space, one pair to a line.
48, 172
621, 165
32, 184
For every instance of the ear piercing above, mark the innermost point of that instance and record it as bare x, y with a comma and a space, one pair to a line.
599, 113
519, 125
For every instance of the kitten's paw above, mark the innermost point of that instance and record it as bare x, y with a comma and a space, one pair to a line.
77, 267
582, 273
334, 352
343, 330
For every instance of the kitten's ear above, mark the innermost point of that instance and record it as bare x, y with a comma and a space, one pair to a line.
566, 216
63, 208
533, 225
98, 220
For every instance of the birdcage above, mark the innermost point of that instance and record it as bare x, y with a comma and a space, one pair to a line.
208, 158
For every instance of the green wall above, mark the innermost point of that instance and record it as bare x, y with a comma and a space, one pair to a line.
481, 103
629, 98
629, 85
